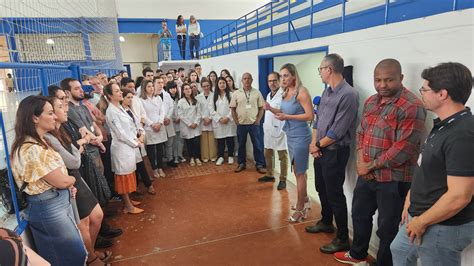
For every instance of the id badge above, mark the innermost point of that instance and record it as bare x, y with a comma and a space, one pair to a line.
248, 106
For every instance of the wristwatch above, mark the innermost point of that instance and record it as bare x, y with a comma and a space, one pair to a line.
318, 144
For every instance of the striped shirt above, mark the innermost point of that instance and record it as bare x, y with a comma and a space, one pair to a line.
337, 114
390, 133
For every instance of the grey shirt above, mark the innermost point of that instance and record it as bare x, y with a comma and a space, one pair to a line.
337, 114
80, 116
71, 160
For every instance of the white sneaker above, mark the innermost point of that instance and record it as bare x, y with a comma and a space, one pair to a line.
230, 160
162, 174
220, 161
198, 162
205, 160
191, 162
213, 160
182, 159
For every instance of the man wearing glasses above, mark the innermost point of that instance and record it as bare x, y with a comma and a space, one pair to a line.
388, 142
274, 138
438, 216
333, 133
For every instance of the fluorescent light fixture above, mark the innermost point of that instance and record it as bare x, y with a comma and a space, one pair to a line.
121, 39
50, 41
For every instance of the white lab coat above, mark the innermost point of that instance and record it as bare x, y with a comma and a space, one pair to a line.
273, 136
169, 109
222, 110
155, 110
205, 112
189, 114
124, 140
139, 112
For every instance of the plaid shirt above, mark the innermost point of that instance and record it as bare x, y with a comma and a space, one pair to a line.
390, 134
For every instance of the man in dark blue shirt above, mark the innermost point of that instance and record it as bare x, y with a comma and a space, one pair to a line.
333, 133
438, 217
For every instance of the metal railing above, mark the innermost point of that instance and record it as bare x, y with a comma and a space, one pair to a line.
280, 22
45, 77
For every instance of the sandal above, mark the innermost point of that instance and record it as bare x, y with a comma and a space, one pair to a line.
298, 216
307, 204
135, 203
97, 262
106, 255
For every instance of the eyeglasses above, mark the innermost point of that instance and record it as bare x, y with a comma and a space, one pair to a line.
272, 80
421, 90
321, 68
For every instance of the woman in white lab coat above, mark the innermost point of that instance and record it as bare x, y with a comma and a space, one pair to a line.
208, 142
125, 141
154, 128
189, 114
178, 143
223, 124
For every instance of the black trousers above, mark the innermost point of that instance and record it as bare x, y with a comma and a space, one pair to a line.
141, 171
107, 162
155, 154
182, 46
193, 146
221, 146
388, 198
330, 173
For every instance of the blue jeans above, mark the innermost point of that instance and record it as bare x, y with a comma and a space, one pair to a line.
254, 131
194, 46
441, 245
54, 230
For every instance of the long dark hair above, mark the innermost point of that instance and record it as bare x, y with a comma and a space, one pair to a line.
169, 86
213, 86
24, 126
233, 83
61, 134
218, 92
194, 101
178, 19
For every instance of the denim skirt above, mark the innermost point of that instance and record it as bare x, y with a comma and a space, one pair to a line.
55, 233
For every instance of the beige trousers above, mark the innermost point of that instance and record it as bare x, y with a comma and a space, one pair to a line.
208, 146
283, 157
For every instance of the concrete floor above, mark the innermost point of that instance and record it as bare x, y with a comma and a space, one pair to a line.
209, 215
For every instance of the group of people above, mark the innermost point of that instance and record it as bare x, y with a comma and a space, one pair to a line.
74, 148
192, 30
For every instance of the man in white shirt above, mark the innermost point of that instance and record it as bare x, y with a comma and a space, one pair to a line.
274, 139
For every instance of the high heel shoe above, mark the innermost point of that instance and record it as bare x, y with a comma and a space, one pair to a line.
307, 204
298, 216
134, 211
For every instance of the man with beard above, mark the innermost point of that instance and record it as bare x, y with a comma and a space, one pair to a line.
92, 169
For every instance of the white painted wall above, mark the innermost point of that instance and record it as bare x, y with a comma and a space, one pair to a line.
417, 44
202, 9
139, 49
307, 66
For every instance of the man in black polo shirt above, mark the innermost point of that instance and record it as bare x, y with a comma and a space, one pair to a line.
438, 217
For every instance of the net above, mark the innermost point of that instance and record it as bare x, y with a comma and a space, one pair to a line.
45, 41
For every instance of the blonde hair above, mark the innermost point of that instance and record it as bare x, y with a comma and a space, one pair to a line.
294, 72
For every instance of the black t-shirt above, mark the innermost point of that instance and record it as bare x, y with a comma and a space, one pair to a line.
448, 150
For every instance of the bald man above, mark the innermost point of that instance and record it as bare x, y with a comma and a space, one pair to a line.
388, 143
247, 111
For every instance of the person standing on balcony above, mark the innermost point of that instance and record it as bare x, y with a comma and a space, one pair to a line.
194, 37
181, 34
165, 40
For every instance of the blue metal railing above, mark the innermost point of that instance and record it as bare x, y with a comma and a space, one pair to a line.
75, 71
247, 32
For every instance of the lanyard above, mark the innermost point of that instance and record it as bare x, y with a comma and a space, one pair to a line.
248, 96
